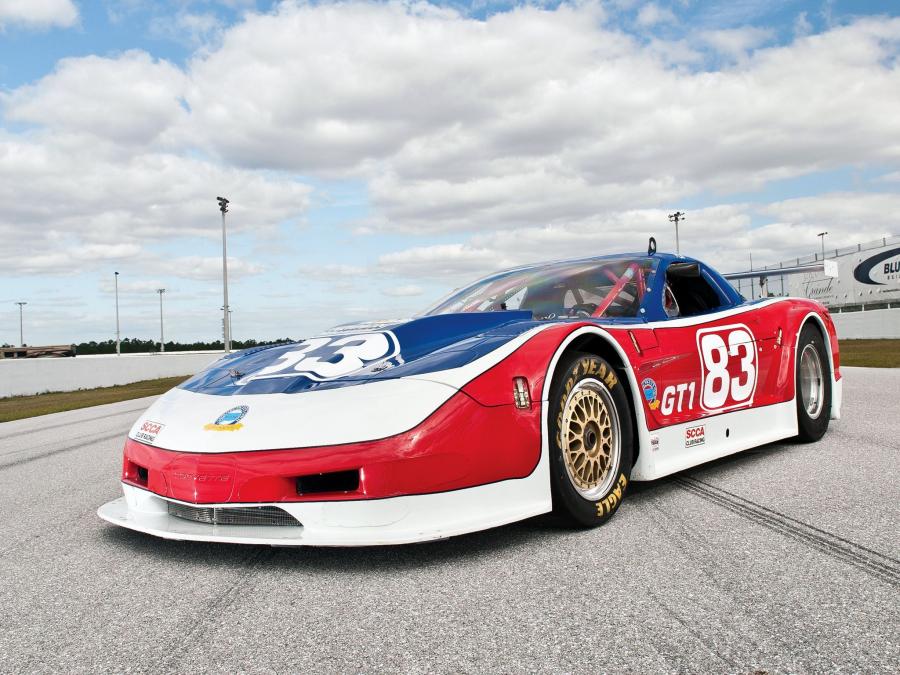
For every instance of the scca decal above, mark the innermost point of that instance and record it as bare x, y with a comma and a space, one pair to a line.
723, 351
149, 431
694, 436
327, 358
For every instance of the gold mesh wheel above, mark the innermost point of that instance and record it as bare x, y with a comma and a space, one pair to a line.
591, 443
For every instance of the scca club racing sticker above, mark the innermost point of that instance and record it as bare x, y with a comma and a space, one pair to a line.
327, 358
230, 420
149, 431
648, 386
694, 436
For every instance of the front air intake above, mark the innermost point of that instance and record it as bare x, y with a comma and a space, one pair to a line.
236, 515
337, 481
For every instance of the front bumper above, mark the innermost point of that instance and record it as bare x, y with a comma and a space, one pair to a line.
398, 520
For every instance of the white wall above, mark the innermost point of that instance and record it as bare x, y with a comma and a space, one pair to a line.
20, 377
876, 323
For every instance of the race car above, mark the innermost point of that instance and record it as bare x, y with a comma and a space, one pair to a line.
549, 387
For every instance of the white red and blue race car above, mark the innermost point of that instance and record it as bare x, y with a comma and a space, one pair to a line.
546, 387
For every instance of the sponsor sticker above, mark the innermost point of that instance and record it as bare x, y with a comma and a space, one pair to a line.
648, 386
694, 436
149, 431
230, 420
654, 443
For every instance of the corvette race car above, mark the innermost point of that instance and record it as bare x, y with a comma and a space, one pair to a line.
546, 387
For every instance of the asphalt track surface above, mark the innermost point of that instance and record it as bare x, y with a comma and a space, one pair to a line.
783, 558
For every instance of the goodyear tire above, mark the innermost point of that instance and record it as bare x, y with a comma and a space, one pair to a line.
813, 385
591, 440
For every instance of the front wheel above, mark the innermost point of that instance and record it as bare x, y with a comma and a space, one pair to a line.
591, 440
813, 385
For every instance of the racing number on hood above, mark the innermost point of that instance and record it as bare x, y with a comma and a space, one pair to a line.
729, 367
327, 358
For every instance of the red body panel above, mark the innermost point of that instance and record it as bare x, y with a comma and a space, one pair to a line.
461, 445
722, 364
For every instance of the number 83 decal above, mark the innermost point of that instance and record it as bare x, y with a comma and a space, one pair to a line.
729, 367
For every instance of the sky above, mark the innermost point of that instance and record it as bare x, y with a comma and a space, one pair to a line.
379, 154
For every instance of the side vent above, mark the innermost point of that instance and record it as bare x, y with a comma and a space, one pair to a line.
135, 473
337, 481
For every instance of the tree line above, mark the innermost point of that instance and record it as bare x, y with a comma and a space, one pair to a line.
135, 346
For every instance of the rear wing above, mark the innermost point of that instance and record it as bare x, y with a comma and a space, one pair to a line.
828, 267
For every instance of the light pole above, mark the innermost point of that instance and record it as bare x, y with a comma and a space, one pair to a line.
21, 339
118, 340
162, 340
226, 329
821, 236
675, 218
230, 326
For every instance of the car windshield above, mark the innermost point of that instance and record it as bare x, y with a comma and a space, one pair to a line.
593, 288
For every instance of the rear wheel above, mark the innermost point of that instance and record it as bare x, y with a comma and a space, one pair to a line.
813, 385
591, 440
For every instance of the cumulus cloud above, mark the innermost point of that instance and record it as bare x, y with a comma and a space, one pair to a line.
722, 235
78, 203
407, 290
38, 13
736, 42
443, 260
652, 14
531, 134
129, 100
597, 122
207, 268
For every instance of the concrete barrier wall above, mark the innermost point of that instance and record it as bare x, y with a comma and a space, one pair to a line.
876, 323
22, 377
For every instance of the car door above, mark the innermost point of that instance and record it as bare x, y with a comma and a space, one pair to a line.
709, 358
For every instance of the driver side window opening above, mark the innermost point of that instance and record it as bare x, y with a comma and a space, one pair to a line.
688, 292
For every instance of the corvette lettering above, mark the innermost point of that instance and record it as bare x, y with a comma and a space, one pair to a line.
202, 477
327, 358
728, 367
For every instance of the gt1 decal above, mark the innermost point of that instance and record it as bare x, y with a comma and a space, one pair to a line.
148, 431
724, 351
327, 358
694, 436
673, 399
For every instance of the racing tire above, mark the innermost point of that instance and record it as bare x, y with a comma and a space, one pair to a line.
591, 440
813, 385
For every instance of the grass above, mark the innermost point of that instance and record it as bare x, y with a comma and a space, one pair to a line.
870, 353
20, 407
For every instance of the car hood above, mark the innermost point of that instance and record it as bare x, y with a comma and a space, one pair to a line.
358, 353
